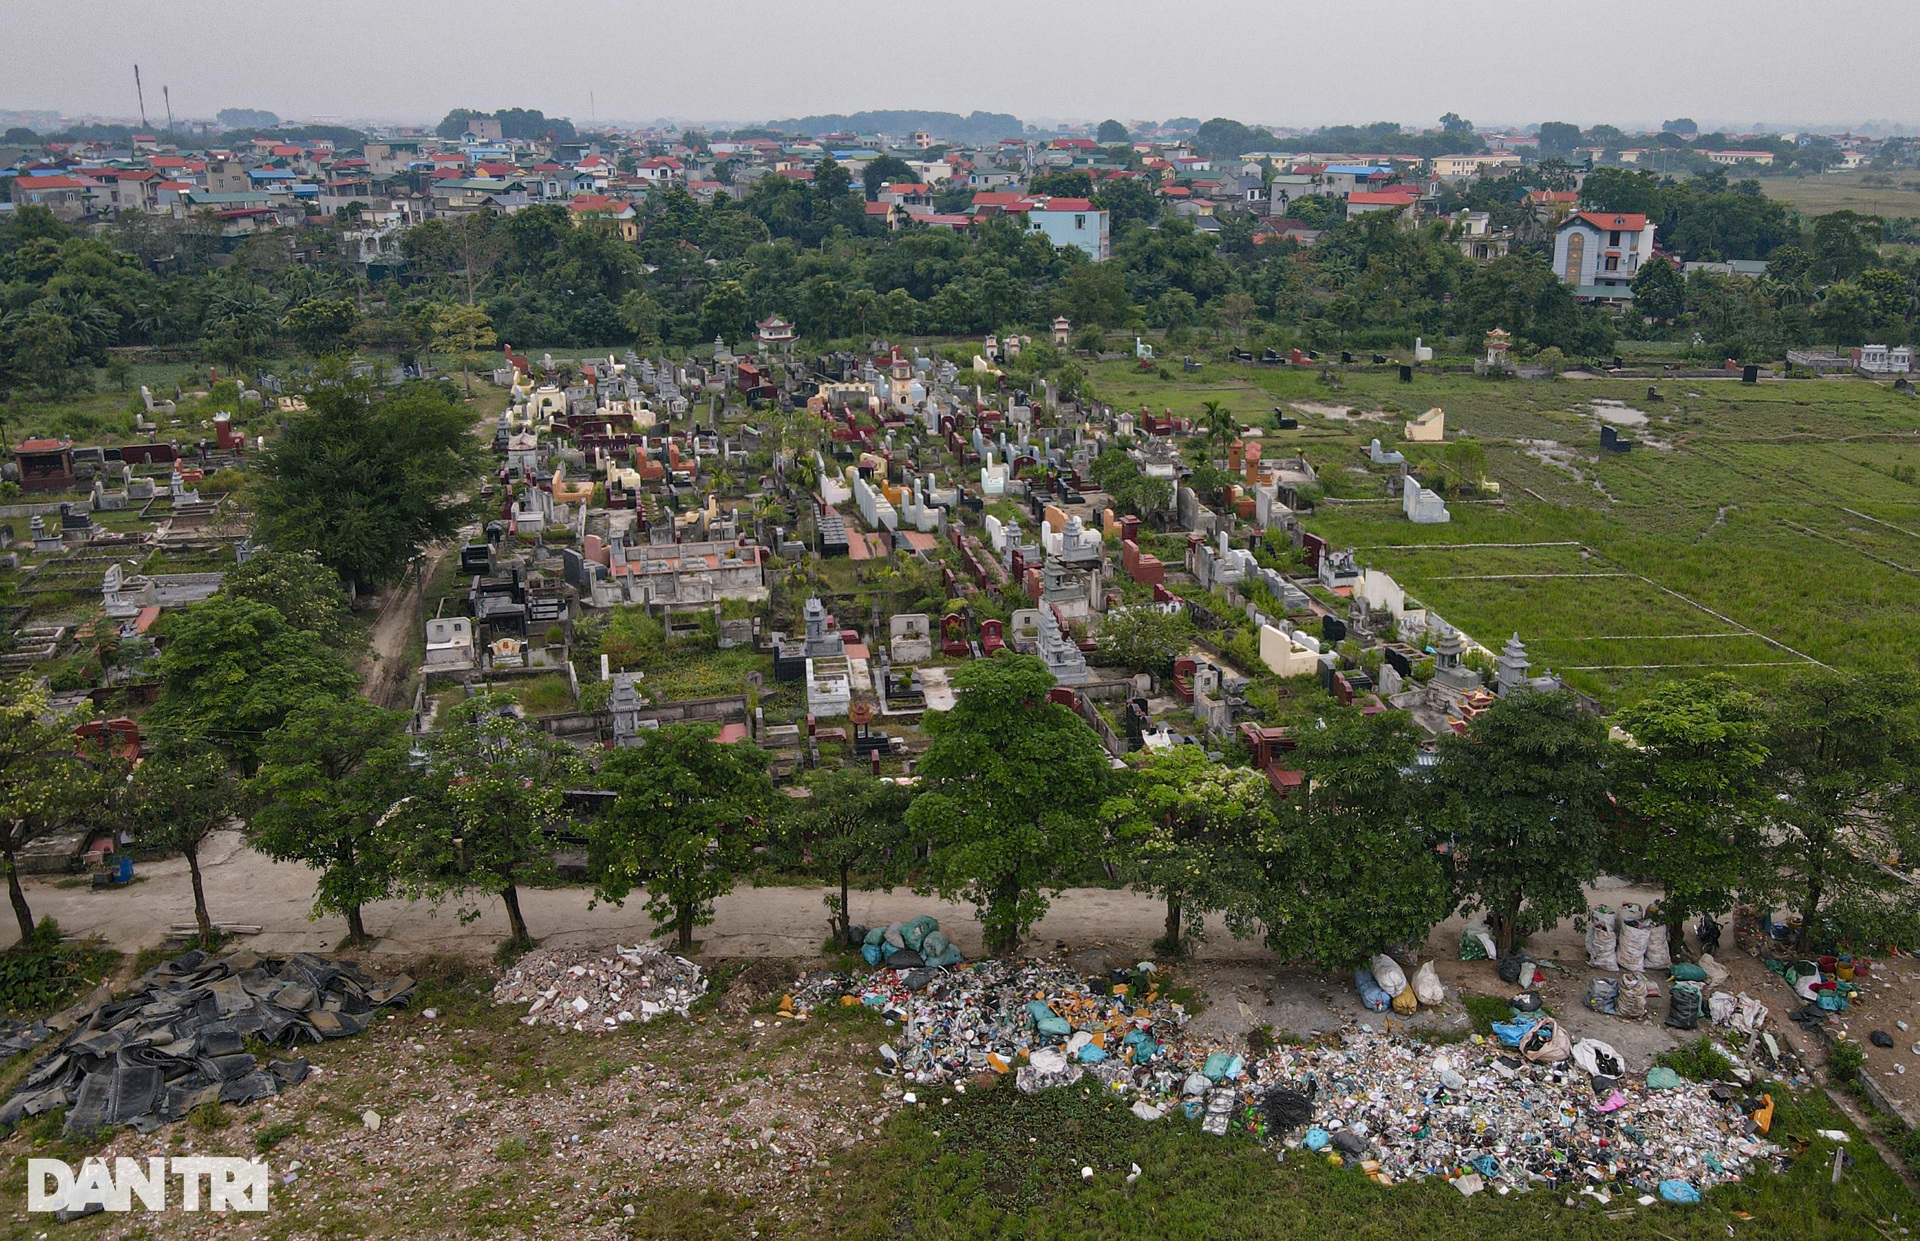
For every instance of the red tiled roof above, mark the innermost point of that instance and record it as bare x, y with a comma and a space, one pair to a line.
1606, 221
1066, 204
48, 183
1382, 198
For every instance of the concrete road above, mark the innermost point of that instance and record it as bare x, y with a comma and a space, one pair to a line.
246, 888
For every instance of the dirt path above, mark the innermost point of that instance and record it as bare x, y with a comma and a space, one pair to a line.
388, 671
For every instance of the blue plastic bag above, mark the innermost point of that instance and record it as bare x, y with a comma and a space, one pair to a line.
1217, 1067
1092, 1055
1316, 1139
1511, 1032
870, 953
1046, 1021
1372, 997
1678, 1191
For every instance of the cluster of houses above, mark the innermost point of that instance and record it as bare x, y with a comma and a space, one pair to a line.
399, 178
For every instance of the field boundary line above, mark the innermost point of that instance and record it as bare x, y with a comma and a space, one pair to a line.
1854, 548
1770, 663
1876, 521
1776, 643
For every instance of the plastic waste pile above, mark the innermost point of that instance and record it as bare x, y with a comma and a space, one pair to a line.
581, 989
1544, 1113
1536, 1110
906, 945
178, 1041
1044, 1026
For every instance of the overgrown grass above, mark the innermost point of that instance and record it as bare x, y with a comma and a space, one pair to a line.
1698, 1061
998, 1163
43, 975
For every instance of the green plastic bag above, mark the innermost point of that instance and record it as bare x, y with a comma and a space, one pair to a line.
1687, 972
916, 931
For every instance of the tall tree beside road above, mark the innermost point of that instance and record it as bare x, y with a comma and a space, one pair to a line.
687, 816
365, 477
1346, 866
46, 787
182, 795
1691, 794
850, 821
1523, 795
329, 777
1181, 826
1843, 756
232, 670
1009, 783
479, 818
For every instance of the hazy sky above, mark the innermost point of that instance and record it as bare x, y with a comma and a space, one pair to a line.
1628, 62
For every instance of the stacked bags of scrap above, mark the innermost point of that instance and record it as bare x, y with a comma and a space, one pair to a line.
1383, 984
910, 945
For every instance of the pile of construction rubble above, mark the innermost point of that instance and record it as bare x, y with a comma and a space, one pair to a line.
179, 1039
582, 989
1539, 1112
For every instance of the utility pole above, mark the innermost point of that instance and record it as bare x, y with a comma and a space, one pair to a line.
166, 95
141, 95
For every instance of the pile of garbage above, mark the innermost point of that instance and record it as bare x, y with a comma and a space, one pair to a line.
1538, 1111
1383, 984
179, 1040
581, 989
906, 945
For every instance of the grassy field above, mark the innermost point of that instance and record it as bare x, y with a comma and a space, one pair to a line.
1846, 191
1782, 518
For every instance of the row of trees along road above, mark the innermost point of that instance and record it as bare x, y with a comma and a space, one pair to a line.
1791, 802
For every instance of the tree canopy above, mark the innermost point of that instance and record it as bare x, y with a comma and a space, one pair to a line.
365, 478
1010, 782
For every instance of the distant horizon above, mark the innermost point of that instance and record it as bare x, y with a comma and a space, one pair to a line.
1858, 125
1491, 61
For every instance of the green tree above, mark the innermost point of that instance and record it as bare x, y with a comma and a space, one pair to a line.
296, 585
182, 795
1347, 867
365, 478
1146, 638
1094, 294
831, 179
850, 822
480, 819
463, 331
1008, 783
1522, 795
1690, 791
1558, 139
1843, 244
686, 818
1180, 827
231, 670
328, 778
1844, 312
1111, 133
46, 787
321, 324
1659, 293
887, 169
724, 310
1843, 752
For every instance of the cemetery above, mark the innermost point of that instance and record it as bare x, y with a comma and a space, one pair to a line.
826, 558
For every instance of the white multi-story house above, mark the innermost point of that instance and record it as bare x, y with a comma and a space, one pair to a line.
1598, 252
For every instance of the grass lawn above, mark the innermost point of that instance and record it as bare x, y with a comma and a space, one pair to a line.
1846, 191
1789, 509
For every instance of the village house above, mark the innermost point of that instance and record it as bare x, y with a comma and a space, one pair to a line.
1599, 252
